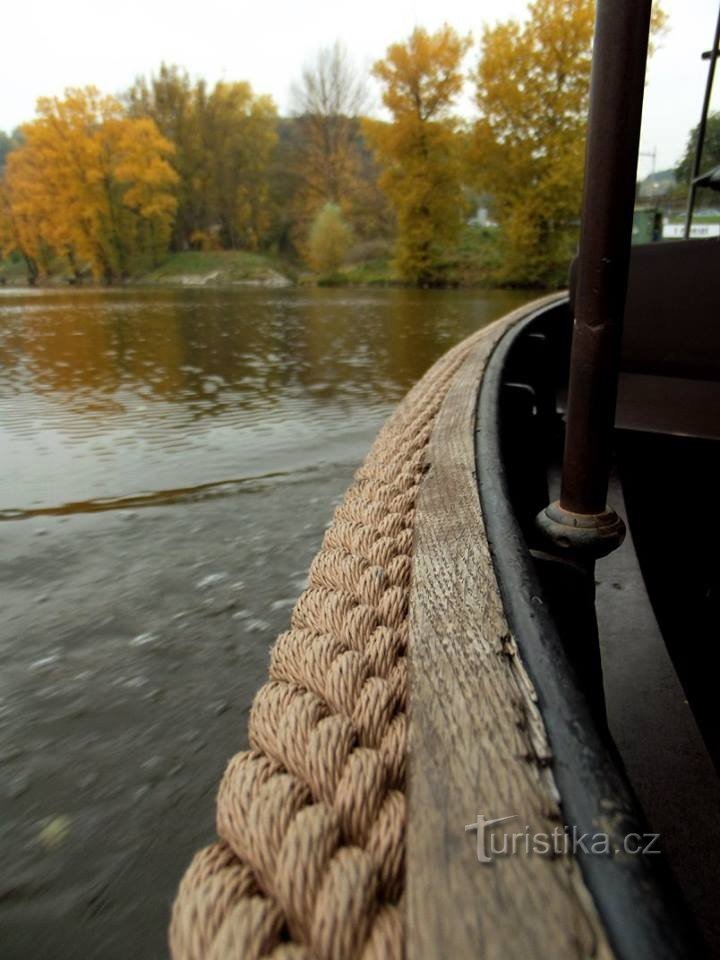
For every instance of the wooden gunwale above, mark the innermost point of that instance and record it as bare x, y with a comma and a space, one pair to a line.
477, 742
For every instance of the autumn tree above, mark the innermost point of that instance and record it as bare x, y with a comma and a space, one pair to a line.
330, 159
329, 240
224, 140
7, 143
19, 233
139, 164
174, 103
31, 219
532, 85
421, 150
91, 184
239, 135
329, 98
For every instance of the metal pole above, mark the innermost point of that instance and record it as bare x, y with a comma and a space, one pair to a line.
581, 519
700, 141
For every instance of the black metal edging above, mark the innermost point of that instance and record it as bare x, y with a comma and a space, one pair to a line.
635, 897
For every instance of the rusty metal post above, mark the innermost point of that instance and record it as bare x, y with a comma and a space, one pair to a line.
581, 521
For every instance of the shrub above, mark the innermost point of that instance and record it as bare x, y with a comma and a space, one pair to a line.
328, 241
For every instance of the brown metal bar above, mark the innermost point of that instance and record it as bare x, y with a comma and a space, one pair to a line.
712, 56
616, 97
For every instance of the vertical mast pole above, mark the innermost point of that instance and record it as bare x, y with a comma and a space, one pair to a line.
581, 519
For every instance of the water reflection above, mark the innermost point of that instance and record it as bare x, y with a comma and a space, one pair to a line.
116, 394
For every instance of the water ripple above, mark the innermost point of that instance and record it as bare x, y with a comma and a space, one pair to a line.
130, 390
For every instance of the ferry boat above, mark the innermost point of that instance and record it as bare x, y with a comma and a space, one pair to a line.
491, 729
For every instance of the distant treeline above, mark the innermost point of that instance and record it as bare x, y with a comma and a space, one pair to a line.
108, 185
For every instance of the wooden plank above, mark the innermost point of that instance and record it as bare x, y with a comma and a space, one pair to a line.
477, 741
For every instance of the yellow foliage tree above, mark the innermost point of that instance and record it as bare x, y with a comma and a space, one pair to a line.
172, 100
532, 84
329, 240
91, 184
145, 179
421, 150
23, 226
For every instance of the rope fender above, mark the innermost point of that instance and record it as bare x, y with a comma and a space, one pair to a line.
309, 864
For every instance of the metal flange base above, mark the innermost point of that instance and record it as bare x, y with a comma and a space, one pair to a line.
581, 535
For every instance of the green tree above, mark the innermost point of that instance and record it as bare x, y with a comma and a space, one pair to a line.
239, 131
328, 241
711, 150
420, 152
224, 141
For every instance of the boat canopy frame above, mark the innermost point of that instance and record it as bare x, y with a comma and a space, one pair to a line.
580, 523
710, 177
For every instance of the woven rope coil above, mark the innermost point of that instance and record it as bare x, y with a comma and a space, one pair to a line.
309, 864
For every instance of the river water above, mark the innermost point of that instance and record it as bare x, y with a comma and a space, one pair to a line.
170, 458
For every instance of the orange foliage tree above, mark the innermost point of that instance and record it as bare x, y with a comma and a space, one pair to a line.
91, 185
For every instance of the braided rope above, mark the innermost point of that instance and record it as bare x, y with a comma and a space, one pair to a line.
311, 820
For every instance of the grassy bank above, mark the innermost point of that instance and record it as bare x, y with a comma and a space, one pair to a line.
473, 262
190, 268
196, 268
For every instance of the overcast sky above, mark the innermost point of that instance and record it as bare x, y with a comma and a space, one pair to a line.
48, 45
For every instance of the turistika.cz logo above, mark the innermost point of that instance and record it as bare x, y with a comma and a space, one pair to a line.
492, 843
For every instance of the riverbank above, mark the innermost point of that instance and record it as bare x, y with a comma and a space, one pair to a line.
186, 269
473, 263
221, 267
217, 268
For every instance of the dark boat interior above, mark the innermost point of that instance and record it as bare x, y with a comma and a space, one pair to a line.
640, 628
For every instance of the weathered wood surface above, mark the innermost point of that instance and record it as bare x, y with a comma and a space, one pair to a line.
477, 740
